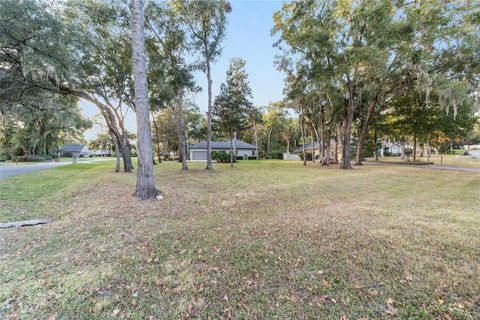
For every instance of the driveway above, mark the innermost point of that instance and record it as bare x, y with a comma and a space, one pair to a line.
15, 170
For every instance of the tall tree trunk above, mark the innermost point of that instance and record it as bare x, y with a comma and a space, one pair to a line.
209, 114
157, 136
235, 144
145, 188
364, 130
375, 151
414, 148
302, 126
126, 152
288, 147
117, 128
326, 147
181, 132
231, 148
402, 148
117, 152
312, 136
256, 139
336, 148
347, 131
269, 134
320, 145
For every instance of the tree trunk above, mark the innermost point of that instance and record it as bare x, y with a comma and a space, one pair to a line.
375, 151
268, 143
312, 136
180, 126
235, 144
302, 126
157, 135
117, 129
145, 188
402, 148
414, 148
256, 139
126, 152
364, 130
209, 115
336, 148
320, 146
326, 148
117, 152
347, 131
231, 148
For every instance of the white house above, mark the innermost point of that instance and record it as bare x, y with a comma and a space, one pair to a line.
199, 151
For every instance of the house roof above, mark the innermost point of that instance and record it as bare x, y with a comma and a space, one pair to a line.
308, 146
72, 147
223, 145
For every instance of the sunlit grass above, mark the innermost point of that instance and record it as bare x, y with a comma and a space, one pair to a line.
263, 240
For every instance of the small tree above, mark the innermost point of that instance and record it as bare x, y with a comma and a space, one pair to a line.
232, 105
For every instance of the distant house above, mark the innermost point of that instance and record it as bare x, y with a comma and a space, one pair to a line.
308, 148
199, 151
393, 148
76, 150
102, 153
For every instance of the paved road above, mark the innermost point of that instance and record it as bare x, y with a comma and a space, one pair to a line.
15, 170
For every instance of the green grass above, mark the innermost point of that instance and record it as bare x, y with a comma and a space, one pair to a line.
264, 240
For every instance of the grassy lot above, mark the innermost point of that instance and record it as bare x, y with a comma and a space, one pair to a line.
446, 160
264, 240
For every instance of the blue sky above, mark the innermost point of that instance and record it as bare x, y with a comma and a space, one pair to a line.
248, 37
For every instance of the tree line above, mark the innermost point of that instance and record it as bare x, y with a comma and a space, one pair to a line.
354, 70
351, 65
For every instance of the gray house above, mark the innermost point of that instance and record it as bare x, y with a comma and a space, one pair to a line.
77, 150
199, 151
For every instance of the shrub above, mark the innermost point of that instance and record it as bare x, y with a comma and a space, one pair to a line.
238, 158
252, 157
309, 156
220, 156
387, 153
31, 158
408, 151
276, 155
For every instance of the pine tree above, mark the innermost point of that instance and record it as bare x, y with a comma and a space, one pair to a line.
232, 105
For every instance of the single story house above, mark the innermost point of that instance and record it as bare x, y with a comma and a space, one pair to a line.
76, 150
199, 151
308, 148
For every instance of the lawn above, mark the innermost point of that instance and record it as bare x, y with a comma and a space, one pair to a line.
264, 240
445, 159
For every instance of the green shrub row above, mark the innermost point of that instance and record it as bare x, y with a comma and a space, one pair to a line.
32, 158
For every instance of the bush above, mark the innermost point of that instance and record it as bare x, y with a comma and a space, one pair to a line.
276, 155
309, 156
238, 158
408, 151
31, 158
48, 157
387, 153
220, 156
252, 157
